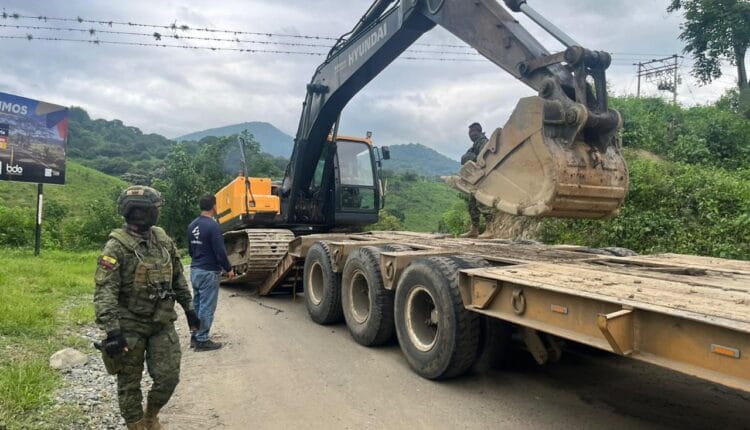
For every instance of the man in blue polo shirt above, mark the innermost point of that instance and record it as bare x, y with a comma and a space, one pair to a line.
206, 245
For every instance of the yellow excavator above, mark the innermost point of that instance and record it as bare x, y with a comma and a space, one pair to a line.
558, 155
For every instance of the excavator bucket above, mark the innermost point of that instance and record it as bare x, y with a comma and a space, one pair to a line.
541, 164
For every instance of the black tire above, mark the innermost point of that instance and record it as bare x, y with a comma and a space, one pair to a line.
495, 338
322, 286
495, 344
367, 305
452, 346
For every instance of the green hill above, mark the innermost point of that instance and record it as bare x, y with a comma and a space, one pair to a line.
419, 159
115, 148
83, 185
418, 202
272, 140
78, 214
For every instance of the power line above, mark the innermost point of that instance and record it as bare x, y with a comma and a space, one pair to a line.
159, 36
97, 41
30, 37
182, 27
663, 72
185, 28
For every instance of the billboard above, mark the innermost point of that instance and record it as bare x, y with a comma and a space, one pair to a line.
32, 140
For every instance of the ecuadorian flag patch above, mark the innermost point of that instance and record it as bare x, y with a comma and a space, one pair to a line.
107, 262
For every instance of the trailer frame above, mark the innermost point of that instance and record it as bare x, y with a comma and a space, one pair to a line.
686, 313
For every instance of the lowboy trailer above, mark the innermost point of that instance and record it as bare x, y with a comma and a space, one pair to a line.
448, 299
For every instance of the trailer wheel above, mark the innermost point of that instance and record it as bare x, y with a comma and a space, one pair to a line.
495, 343
367, 305
438, 336
322, 286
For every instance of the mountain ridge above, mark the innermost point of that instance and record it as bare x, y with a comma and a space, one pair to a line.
272, 140
410, 157
420, 159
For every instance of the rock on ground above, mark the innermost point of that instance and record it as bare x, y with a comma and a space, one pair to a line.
92, 390
67, 358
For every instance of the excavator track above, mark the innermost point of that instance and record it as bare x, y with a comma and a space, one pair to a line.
255, 253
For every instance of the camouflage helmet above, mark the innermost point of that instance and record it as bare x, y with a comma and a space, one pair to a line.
138, 196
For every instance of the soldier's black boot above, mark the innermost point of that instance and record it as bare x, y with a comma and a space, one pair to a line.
151, 419
208, 345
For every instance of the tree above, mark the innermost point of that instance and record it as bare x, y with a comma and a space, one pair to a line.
386, 222
181, 188
715, 30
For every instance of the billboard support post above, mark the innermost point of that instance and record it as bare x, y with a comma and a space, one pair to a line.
38, 233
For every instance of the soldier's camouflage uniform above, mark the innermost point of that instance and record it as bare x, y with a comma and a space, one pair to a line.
471, 155
138, 279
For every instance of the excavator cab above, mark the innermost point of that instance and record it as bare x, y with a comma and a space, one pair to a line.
346, 182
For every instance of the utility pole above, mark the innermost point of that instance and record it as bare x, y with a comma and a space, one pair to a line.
638, 92
676, 80
663, 72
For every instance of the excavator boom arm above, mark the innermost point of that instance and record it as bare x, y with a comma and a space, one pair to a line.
390, 27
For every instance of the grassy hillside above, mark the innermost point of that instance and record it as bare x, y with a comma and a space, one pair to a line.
83, 185
419, 202
78, 214
419, 159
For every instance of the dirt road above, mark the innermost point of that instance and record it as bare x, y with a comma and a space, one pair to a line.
280, 370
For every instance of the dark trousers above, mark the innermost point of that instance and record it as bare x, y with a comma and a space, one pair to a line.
474, 211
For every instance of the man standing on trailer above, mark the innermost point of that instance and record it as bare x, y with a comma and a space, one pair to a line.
206, 246
479, 140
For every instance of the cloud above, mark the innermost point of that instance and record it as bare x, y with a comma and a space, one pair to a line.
177, 91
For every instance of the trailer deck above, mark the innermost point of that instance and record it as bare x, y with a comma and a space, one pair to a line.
687, 313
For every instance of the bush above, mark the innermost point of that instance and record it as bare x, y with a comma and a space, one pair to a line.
671, 207
92, 231
455, 220
16, 226
716, 135
386, 222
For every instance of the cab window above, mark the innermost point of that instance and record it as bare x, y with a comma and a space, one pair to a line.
355, 165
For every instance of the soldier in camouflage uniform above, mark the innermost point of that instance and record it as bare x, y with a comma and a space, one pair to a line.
479, 140
138, 279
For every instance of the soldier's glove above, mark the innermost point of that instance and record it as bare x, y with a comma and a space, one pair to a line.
115, 343
193, 321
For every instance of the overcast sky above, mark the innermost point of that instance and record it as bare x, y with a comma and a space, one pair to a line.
177, 91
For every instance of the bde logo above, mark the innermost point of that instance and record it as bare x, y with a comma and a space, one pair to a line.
13, 170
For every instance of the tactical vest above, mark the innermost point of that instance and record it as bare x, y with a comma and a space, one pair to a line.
151, 296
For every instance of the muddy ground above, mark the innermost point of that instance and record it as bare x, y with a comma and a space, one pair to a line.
280, 370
